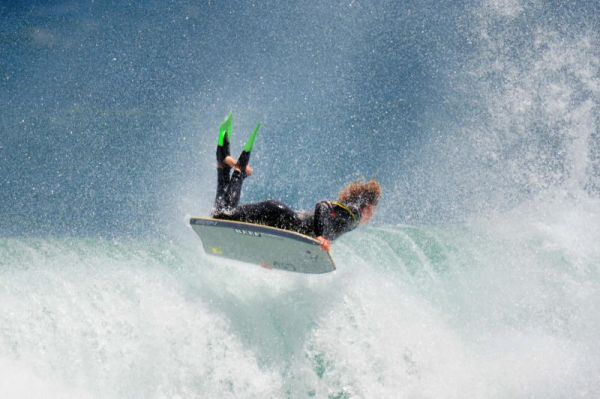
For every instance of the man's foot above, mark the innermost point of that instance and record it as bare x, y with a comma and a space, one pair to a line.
242, 163
223, 154
250, 143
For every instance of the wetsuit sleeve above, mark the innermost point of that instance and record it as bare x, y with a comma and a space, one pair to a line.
322, 220
333, 219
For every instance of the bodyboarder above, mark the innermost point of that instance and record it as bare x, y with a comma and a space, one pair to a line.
355, 205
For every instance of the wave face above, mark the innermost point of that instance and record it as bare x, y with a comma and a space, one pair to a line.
499, 308
477, 278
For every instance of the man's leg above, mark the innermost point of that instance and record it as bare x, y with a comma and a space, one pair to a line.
269, 213
224, 164
234, 189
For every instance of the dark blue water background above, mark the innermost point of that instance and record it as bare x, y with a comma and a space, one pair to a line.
109, 110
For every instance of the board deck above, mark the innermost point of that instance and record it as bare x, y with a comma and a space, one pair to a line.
263, 245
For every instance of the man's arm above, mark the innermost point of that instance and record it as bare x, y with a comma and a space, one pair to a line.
322, 220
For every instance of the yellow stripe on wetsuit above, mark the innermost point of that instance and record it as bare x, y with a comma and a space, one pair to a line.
344, 207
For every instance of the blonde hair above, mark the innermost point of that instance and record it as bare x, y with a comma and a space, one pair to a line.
361, 194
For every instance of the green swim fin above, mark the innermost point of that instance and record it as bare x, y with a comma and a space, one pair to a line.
250, 143
225, 130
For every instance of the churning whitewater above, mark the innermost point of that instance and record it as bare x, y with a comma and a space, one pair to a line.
499, 308
478, 278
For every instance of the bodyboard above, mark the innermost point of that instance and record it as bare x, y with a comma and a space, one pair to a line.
262, 245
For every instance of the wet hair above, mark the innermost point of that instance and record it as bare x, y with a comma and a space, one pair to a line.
361, 194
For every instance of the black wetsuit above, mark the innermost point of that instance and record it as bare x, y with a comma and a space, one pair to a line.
330, 219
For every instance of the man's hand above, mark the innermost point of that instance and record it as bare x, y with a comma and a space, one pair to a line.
325, 245
229, 161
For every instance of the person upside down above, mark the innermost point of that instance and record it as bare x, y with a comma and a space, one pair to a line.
355, 205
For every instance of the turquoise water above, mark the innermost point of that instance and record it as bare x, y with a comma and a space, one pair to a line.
494, 308
478, 277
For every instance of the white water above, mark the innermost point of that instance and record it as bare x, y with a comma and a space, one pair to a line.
503, 305
502, 308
